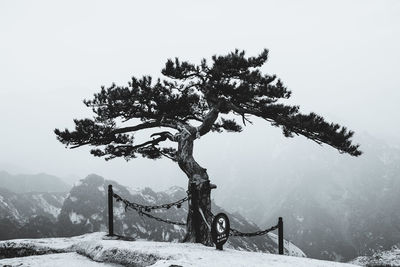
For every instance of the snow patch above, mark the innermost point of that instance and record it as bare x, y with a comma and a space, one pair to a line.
78, 183
383, 258
141, 228
96, 217
179, 227
119, 211
149, 199
173, 190
133, 191
46, 206
76, 218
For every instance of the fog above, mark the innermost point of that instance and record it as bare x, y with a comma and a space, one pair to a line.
341, 59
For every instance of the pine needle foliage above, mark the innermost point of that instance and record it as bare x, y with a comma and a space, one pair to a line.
197, 99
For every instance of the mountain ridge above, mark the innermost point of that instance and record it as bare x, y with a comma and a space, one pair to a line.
24, 183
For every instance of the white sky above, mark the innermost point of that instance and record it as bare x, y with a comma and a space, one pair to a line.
341, 59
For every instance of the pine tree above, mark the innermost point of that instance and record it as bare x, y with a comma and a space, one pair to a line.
189, 102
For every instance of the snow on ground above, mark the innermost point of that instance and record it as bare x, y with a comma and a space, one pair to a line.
70, 259
44, 245
100, 248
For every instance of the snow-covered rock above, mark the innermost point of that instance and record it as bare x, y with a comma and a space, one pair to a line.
102, 249
383, 258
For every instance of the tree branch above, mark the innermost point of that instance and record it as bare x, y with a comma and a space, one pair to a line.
166, 155
293, 122
166, 135
192, 117
76, 146
153, 142
208, 121
145, 125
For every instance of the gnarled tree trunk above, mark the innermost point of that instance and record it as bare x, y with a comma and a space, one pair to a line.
199, 218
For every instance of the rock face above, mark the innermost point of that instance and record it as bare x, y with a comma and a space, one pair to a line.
30, 205
29, 214
84, 210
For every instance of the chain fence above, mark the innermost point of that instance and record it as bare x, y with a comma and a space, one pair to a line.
144, 209
235, 232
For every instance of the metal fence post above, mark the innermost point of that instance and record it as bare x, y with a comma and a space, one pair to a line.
280, 235
110, 211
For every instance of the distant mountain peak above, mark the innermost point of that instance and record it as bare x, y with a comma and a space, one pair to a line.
174, 189
41, 182
94, 179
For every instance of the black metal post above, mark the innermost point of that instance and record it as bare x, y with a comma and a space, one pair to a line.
110, 211
280, 235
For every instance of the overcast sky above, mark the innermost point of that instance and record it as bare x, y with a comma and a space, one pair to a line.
341, 59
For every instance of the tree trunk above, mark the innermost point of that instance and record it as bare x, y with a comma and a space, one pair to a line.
198, 222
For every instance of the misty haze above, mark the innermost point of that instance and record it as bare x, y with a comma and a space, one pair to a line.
160, 133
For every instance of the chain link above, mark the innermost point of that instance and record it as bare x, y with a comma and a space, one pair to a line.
148, 208
139, 208
235, 232
159, 219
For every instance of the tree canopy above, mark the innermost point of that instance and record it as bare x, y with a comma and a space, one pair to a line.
220, 95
